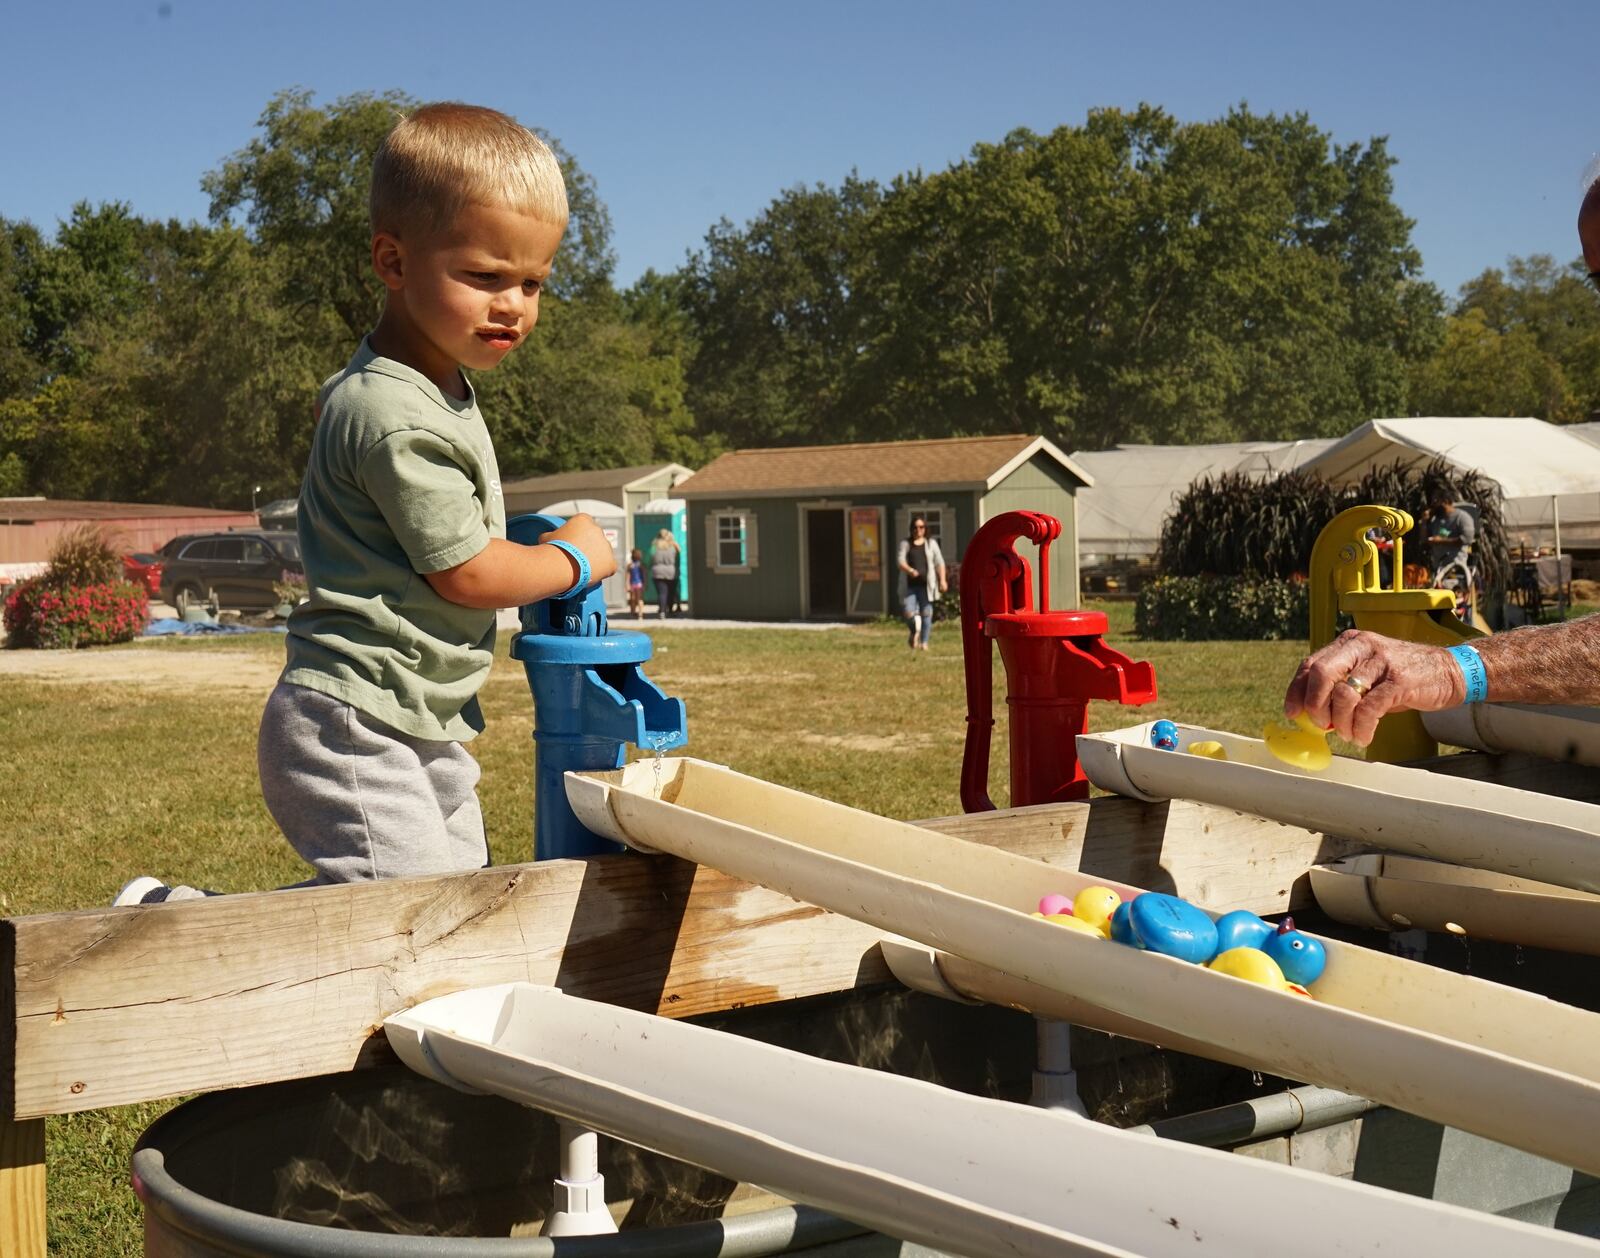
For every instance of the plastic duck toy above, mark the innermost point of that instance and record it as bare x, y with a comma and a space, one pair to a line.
1250, 964
1302, 744
1164, 736
1095, 905
1242, 929
1165, 924
1300, 957
1073, 923
1209, 748
1054, 904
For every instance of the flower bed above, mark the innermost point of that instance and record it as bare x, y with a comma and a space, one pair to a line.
39, 614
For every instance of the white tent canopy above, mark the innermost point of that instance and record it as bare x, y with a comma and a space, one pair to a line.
1548, 475
1135, 487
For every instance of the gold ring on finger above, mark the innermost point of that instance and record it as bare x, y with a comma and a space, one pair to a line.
1355, 683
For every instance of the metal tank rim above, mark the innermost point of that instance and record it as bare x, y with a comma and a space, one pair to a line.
237, 1232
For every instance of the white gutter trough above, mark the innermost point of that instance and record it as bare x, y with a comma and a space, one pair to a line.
1478, 824
960, 1173
1554, 732
1509, 1065
1387, 892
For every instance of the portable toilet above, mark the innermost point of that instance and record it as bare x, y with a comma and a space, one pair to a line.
613, 522
650, 519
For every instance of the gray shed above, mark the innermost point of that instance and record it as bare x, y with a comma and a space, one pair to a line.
812, 532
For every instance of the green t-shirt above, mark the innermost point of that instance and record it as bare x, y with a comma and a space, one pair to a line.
402, 480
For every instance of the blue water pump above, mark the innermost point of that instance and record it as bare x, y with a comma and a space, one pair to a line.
589, 701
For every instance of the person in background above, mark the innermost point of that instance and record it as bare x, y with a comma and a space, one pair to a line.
664, 558
636, 583
1362, 676
1449, 533
922, 580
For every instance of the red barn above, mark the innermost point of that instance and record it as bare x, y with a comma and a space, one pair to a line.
29, 527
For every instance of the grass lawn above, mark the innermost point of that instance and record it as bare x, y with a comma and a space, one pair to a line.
105, 781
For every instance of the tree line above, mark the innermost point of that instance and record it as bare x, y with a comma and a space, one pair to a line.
1135, 278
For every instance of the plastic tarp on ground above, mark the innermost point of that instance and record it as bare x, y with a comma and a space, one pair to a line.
1135, 487
1545, 471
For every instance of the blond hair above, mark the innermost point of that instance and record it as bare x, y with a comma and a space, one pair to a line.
441, 158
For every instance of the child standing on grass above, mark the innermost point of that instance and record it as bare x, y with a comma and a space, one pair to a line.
361, 752
636, 583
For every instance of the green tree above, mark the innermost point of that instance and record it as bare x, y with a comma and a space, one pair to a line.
94, 273
1481, 370
1555, 306
772, 316
19, 369
1134, 278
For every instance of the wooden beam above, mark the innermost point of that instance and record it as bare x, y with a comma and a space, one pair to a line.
22, 1225
1524, 771
1212, 856
115, 1006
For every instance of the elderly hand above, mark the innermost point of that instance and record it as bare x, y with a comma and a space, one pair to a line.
1361, 676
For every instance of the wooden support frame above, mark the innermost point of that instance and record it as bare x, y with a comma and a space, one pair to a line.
110, 1007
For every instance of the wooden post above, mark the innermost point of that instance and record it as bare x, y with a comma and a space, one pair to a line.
22, 1188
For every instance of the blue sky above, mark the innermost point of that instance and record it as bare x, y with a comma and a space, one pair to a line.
691, 111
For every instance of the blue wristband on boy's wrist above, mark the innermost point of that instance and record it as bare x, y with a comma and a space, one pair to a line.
578, 558
1472, 672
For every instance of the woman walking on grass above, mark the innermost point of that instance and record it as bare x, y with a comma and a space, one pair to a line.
922, 580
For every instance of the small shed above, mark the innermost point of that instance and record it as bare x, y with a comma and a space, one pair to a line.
627, 488
812, 532
30, 526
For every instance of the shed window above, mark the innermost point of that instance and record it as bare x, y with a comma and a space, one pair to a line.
941, 526
731, 541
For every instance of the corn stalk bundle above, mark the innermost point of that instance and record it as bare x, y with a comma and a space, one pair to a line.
1233, 525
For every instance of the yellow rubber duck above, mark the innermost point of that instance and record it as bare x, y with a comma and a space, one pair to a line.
1208, 748
1075, 923
1252, 965
1094, 907
1302, 744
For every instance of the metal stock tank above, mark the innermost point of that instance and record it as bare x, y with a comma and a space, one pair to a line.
383, 1162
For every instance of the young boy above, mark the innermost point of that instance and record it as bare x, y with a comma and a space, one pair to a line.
401, 520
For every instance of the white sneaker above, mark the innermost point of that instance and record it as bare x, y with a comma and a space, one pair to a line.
149, 890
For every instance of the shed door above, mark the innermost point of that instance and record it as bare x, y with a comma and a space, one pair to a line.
827, 562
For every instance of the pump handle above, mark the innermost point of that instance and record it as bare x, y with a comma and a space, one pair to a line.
994, 580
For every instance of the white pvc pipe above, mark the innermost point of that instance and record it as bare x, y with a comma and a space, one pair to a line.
1390, 806
580, 1153
1427, 1041
965, 1174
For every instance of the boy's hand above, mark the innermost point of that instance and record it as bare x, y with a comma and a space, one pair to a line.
585, 534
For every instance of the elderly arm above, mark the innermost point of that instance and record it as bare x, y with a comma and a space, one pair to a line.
1545, 664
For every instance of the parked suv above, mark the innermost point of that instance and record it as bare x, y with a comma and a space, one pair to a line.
232, 569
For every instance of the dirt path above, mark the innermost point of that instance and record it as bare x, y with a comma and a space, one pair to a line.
160, 664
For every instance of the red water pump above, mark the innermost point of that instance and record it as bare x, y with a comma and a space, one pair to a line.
1056, 662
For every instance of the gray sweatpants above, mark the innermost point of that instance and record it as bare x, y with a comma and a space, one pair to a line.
358, 799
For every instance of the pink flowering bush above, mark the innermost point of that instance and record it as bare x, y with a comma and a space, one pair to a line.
80, 600
40, 615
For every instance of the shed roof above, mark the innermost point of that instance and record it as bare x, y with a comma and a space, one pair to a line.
33, 510
890, 466
590, 484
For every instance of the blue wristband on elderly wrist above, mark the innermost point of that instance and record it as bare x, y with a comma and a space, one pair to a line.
578, 558
1472, 672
